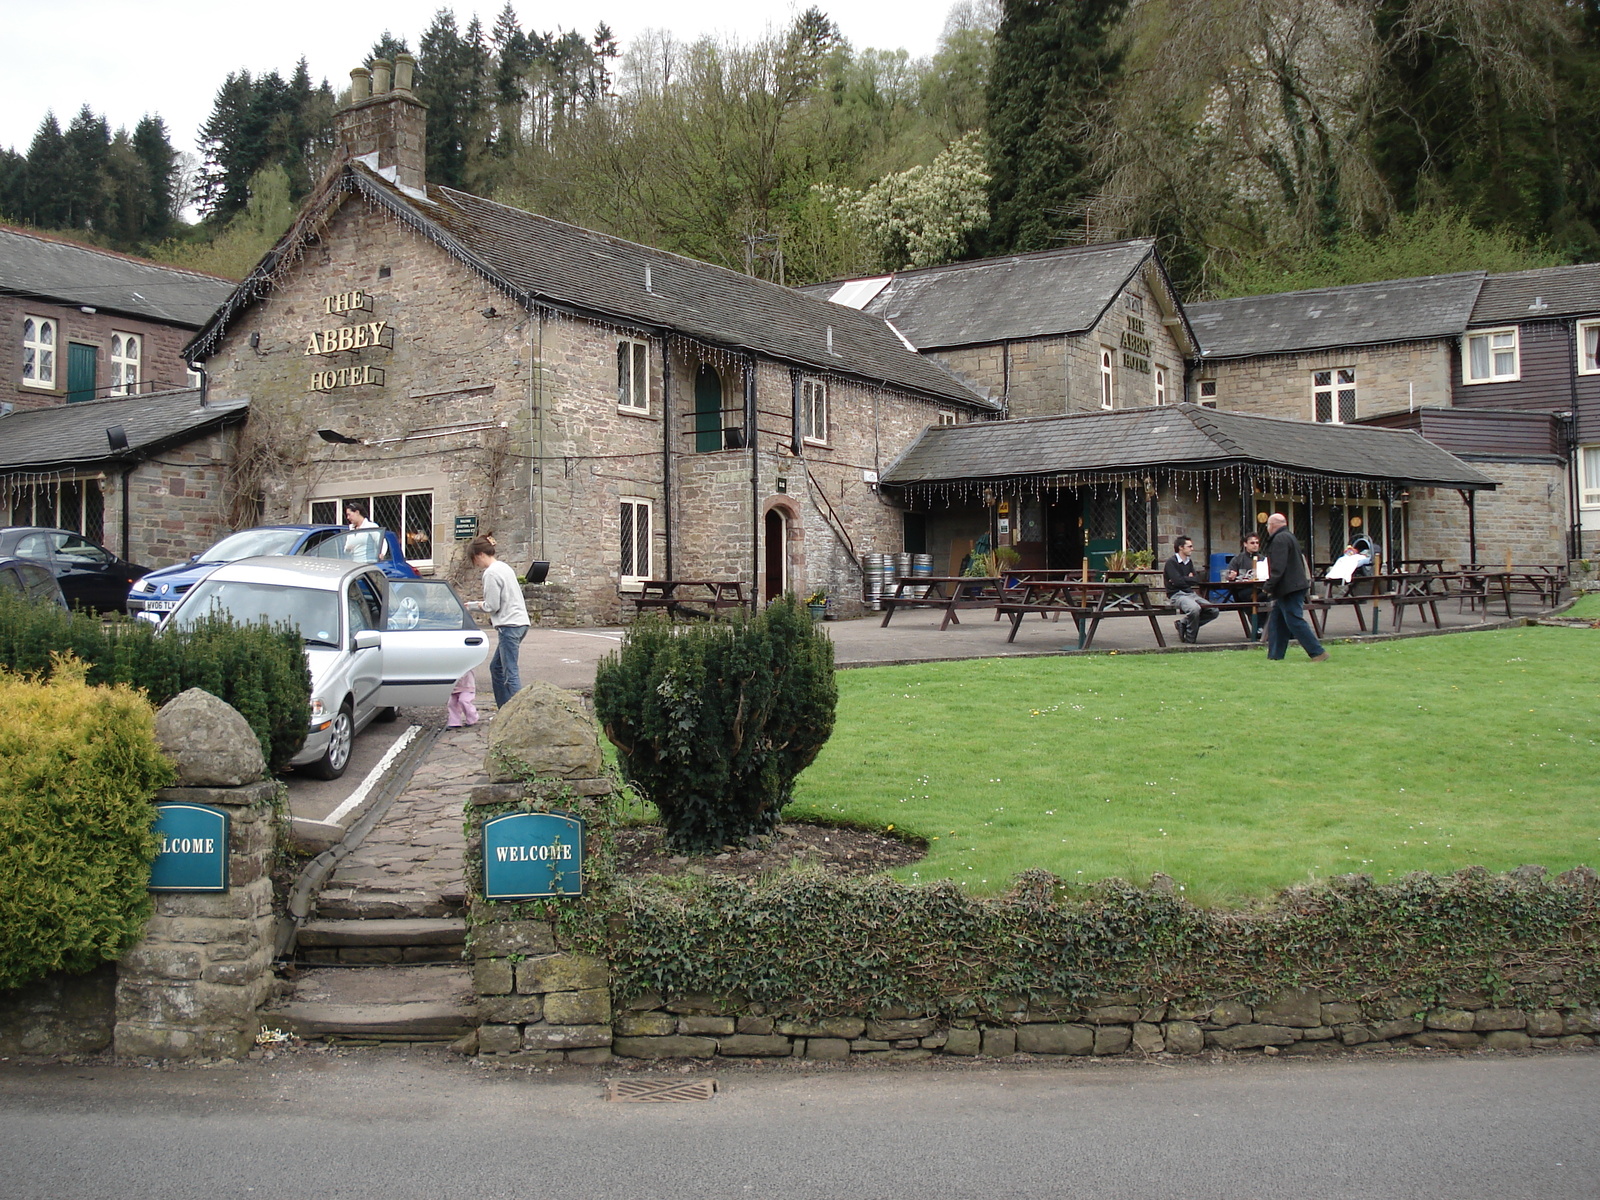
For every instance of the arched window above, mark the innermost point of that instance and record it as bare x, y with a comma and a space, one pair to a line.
1108, 396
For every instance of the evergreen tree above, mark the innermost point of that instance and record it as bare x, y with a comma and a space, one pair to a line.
86, 147
159, 163
13, 175
453, 80
1055, 62
45, 196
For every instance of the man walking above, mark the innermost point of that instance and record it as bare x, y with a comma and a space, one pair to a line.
502, 600
1183, 583
1288, 581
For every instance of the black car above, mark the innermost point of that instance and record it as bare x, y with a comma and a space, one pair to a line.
90, 576
31, 580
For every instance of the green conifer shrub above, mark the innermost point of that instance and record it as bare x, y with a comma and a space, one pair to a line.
261, 672
713, 722
79, 768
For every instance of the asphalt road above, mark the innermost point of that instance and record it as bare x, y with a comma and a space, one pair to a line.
391, 1127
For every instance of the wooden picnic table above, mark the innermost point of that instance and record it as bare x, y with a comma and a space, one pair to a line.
1401, 590
1086, 602
948, 592
1245, 597
1538, 579
687, 596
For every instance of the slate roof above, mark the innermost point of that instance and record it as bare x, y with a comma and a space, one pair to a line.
74, 435
1181, 437
1538, 295
1000, 299
1363, 314
51, 269
546, 261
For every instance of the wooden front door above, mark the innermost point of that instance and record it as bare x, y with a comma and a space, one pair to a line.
82, 362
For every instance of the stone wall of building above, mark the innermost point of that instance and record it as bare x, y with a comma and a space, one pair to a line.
1388, 379
178, 501
1525, 517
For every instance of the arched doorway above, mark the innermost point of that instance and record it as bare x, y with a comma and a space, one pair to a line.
775, 555
707, 409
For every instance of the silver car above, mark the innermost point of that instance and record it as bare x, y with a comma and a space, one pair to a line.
372, 643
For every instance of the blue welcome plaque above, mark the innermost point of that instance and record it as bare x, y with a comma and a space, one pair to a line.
529, 855
193, 851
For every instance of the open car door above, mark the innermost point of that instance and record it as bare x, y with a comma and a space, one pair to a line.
429, 642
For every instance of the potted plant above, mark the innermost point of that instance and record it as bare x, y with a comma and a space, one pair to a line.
817, 605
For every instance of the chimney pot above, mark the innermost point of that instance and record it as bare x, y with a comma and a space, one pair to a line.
382, 73
360, 85
404, 66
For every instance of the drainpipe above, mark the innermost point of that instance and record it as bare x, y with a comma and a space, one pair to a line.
1472, 527
127, 475
755, 478
666, 453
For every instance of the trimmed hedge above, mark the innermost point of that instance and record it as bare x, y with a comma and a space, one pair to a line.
713, 722
79, 767
805, 942
261, 672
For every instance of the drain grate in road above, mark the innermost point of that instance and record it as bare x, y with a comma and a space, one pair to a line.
652, 1091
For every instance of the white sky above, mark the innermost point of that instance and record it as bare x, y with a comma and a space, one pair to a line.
125, 58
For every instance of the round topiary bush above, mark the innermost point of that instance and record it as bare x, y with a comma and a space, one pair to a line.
713, 722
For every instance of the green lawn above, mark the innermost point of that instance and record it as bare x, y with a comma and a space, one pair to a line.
1233, 775
1586, 606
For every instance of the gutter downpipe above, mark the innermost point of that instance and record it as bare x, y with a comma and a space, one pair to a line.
755, 483
127, 475
1569, 435
666, 452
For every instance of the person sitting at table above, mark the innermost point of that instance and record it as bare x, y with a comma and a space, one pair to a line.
1183, 584
1247, 565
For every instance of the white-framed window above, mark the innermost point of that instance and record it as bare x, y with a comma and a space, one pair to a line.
1333, 395
1208, 393
633, 375
1491, 356
1108, 377
38, 352
1589, 347
635, 540
1589, 476
125, 351
946, 417
1161, 385
814, 410
409, 514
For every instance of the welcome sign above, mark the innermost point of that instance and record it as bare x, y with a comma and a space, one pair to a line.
192, 855
531, 855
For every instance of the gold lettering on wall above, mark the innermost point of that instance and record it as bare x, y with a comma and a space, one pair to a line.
347, 337
345, 302
345, 377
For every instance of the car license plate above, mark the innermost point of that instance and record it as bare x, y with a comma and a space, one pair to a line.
160, 605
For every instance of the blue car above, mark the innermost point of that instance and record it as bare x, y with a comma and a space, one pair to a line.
158, 592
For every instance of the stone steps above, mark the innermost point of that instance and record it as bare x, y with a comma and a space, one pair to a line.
425, 1003
352, 904
383, 940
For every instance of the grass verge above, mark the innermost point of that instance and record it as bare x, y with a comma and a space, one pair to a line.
1235, 776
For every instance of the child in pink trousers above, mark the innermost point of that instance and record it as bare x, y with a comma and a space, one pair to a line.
462, 710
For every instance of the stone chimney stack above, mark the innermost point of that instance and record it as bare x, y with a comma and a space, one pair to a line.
385, 119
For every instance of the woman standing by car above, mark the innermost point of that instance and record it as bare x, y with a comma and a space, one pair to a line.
502, 600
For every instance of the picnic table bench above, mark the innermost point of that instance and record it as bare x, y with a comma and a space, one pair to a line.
1086, 602
1541, 580
689, 597
1401, 590
948, 592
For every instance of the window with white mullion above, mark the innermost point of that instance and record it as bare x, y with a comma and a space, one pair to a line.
1108, 376
1333, 396
125, 350
814, 410
1492, 356
1589, 476
1589, 347
634, 564
38, 352
633, 375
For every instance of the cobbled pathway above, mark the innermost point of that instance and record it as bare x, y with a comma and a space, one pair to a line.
410, 865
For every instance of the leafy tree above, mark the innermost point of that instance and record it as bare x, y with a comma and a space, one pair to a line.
236, 247
1427, 242
1054, 64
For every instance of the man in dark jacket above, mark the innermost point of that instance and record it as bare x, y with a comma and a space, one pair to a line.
1288, 581
1183, 590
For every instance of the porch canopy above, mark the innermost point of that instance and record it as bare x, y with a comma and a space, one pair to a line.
1177, 447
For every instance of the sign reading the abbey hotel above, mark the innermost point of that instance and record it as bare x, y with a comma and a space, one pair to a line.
347, 339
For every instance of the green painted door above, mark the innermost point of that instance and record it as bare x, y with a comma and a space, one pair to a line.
82, 362
707, 410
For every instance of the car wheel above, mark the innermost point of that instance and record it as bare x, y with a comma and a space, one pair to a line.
337, 756
387, 714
